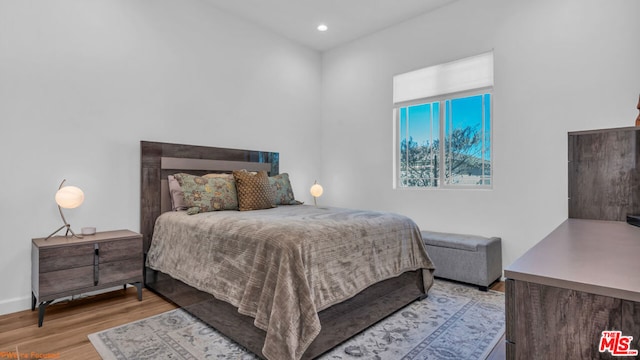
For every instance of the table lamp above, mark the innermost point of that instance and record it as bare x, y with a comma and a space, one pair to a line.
316, 191
68, 197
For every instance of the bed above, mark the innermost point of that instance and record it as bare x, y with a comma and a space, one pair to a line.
320, 321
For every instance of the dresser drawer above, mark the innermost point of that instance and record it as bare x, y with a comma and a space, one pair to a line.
67, 257
120, 271
120, 250
64, 281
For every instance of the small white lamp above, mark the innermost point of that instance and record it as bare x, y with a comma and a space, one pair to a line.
316, 191
68, 197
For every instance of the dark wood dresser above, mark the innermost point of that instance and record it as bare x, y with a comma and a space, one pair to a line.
64, 266
604, 173
580, 280
584, 277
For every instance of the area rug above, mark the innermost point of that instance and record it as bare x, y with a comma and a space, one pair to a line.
455, 321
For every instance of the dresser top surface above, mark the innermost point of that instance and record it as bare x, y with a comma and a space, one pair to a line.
97, 237
594, 256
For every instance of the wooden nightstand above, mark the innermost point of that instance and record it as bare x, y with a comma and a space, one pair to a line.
64, 266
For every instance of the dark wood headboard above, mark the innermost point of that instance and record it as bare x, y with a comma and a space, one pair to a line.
158, 160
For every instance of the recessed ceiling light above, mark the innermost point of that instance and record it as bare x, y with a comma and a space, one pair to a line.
323, 27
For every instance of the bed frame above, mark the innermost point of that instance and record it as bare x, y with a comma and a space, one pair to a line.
339, 322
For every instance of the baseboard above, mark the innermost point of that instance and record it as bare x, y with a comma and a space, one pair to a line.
15, 304
24, 303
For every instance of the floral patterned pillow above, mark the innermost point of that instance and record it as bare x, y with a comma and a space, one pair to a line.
282, 187
207, 194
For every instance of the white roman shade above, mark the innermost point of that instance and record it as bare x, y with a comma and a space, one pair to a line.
470, 73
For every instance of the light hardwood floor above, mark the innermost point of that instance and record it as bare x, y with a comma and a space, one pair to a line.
67, 324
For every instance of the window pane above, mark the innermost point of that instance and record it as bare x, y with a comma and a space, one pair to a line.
419, 134
463, 154
467, 140
402, 131
487, 139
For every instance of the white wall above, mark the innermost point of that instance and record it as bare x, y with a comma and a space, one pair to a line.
82, 82
560, 65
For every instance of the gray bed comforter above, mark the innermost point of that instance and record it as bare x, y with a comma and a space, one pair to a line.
281, 266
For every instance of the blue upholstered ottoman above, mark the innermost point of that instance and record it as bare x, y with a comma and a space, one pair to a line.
466, 258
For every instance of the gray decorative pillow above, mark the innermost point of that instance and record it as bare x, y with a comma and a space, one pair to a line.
207, 194
254, 191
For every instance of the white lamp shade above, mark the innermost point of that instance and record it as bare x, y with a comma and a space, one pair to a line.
69, 197
316, 190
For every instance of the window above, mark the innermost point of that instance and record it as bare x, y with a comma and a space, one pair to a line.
444, 139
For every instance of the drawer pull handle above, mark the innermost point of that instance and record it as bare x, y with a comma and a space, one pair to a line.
96, 262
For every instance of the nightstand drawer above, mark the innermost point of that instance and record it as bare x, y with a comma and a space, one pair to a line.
120, 271
120, 250
62, 281
59, 258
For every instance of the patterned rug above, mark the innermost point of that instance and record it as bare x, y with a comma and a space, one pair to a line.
454, 322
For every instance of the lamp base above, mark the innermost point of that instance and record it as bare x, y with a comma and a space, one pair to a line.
66, 224
66, 233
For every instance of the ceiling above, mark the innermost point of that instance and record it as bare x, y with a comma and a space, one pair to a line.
347, 19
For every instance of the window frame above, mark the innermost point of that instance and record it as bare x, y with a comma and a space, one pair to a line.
441, 99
